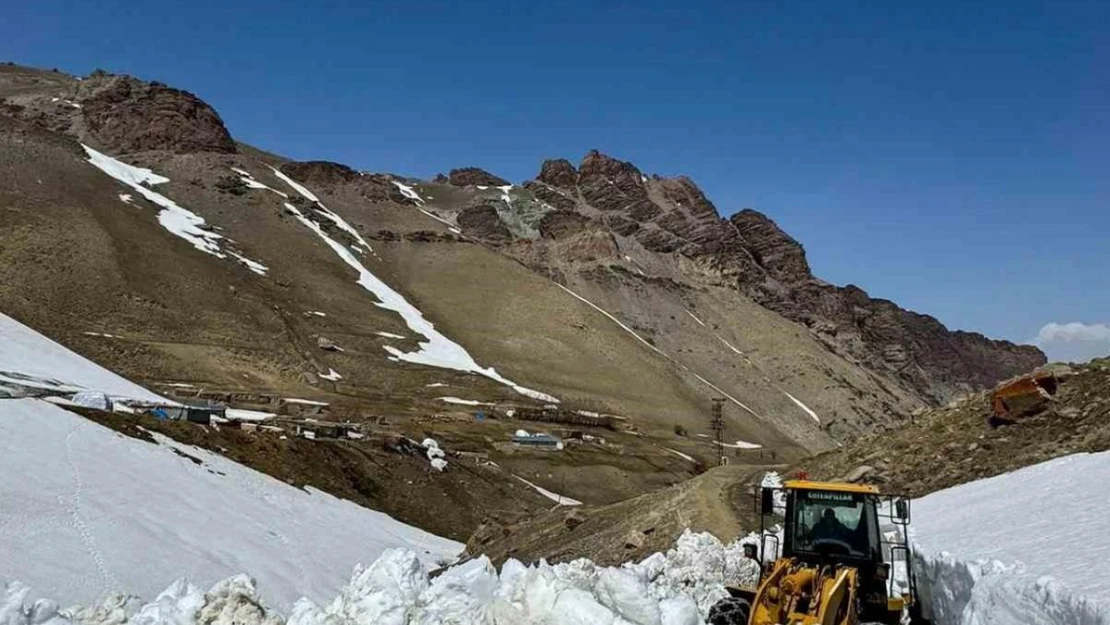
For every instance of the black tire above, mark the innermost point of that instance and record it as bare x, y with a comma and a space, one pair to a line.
730, 611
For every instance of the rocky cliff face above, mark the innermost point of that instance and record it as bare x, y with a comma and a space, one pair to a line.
123, 115
672, 215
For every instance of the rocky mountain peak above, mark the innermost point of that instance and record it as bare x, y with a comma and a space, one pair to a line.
597, 164
558, 172
123, 114
772, 248
468, 176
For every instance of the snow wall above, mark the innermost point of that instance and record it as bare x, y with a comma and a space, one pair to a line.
1028, 547
676, 588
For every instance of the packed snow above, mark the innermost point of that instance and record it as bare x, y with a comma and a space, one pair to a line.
408, 192
126, 197
1023, 548
112, 513
741, 445
28, 358
680, 454
179, 221
692, 315
562, 500
435, 385
332, 375
804, 407
675, 588
463, 402
389, 335
249, 180
317, 313
436, 350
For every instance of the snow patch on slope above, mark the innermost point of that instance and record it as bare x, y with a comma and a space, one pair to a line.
436, 350
462, 402
324, 211
408, 192
557, 498
179, 221
804, 407
692, 315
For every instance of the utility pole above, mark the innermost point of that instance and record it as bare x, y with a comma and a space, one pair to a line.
717, 424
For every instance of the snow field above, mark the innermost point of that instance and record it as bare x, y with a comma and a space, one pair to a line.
86, 511
1023, 548
28, 358
675, 588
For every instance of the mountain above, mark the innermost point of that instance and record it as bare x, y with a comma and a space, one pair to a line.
138, 232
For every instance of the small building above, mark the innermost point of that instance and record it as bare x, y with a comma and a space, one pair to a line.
193, 412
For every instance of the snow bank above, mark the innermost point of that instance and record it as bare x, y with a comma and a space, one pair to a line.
436, 350
85, 511
1020, 548
28, 358
556, 497
675, 588
178, 220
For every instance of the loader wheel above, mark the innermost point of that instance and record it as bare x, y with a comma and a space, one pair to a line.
730, 611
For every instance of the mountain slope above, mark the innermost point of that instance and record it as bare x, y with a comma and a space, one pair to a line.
596, 285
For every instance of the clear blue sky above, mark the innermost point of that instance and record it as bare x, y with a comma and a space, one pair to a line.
950, 155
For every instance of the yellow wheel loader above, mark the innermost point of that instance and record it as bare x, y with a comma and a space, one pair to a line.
838, 565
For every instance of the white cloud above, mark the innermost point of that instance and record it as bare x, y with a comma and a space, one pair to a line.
1074, 342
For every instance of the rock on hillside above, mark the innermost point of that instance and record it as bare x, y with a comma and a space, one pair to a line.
115, 114
954, 444
473, 176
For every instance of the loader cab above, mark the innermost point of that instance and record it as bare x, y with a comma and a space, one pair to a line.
825, 524
836, 525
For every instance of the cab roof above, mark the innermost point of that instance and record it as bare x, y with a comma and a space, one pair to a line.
839, 487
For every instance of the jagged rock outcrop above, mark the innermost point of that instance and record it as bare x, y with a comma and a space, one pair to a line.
558, 173
672, 215
774, 250
474, 176
122, 114
560, 224
483, 222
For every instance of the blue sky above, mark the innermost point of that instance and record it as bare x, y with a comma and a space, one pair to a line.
949, 155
